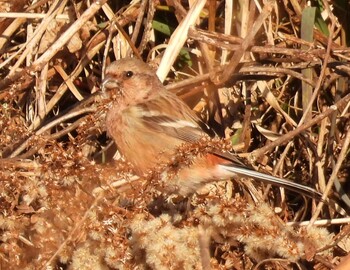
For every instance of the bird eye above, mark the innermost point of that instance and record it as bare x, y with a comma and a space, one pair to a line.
129, 74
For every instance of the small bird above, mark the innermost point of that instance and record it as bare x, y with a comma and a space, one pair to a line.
149, 124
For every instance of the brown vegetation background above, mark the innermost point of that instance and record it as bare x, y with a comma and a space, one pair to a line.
269, 76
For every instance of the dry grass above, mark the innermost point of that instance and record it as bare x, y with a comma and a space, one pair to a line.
264, 76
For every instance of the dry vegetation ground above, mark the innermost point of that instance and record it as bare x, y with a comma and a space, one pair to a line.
283, 98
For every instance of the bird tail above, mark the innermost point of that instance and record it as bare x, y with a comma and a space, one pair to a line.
269, 179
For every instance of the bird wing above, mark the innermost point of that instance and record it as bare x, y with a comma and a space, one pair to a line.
167, 114
180, 122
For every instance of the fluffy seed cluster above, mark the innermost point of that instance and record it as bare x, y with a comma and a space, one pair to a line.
163, 245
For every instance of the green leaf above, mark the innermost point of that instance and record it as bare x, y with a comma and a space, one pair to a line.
184, 57
320, 23
307, 23
235, 138
162, 27
307, 33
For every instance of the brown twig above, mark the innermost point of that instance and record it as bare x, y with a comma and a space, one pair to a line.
247, 42
54, 48
50, 125
341, 158
290, 135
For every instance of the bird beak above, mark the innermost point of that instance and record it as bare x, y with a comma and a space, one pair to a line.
109, 83
110, 87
